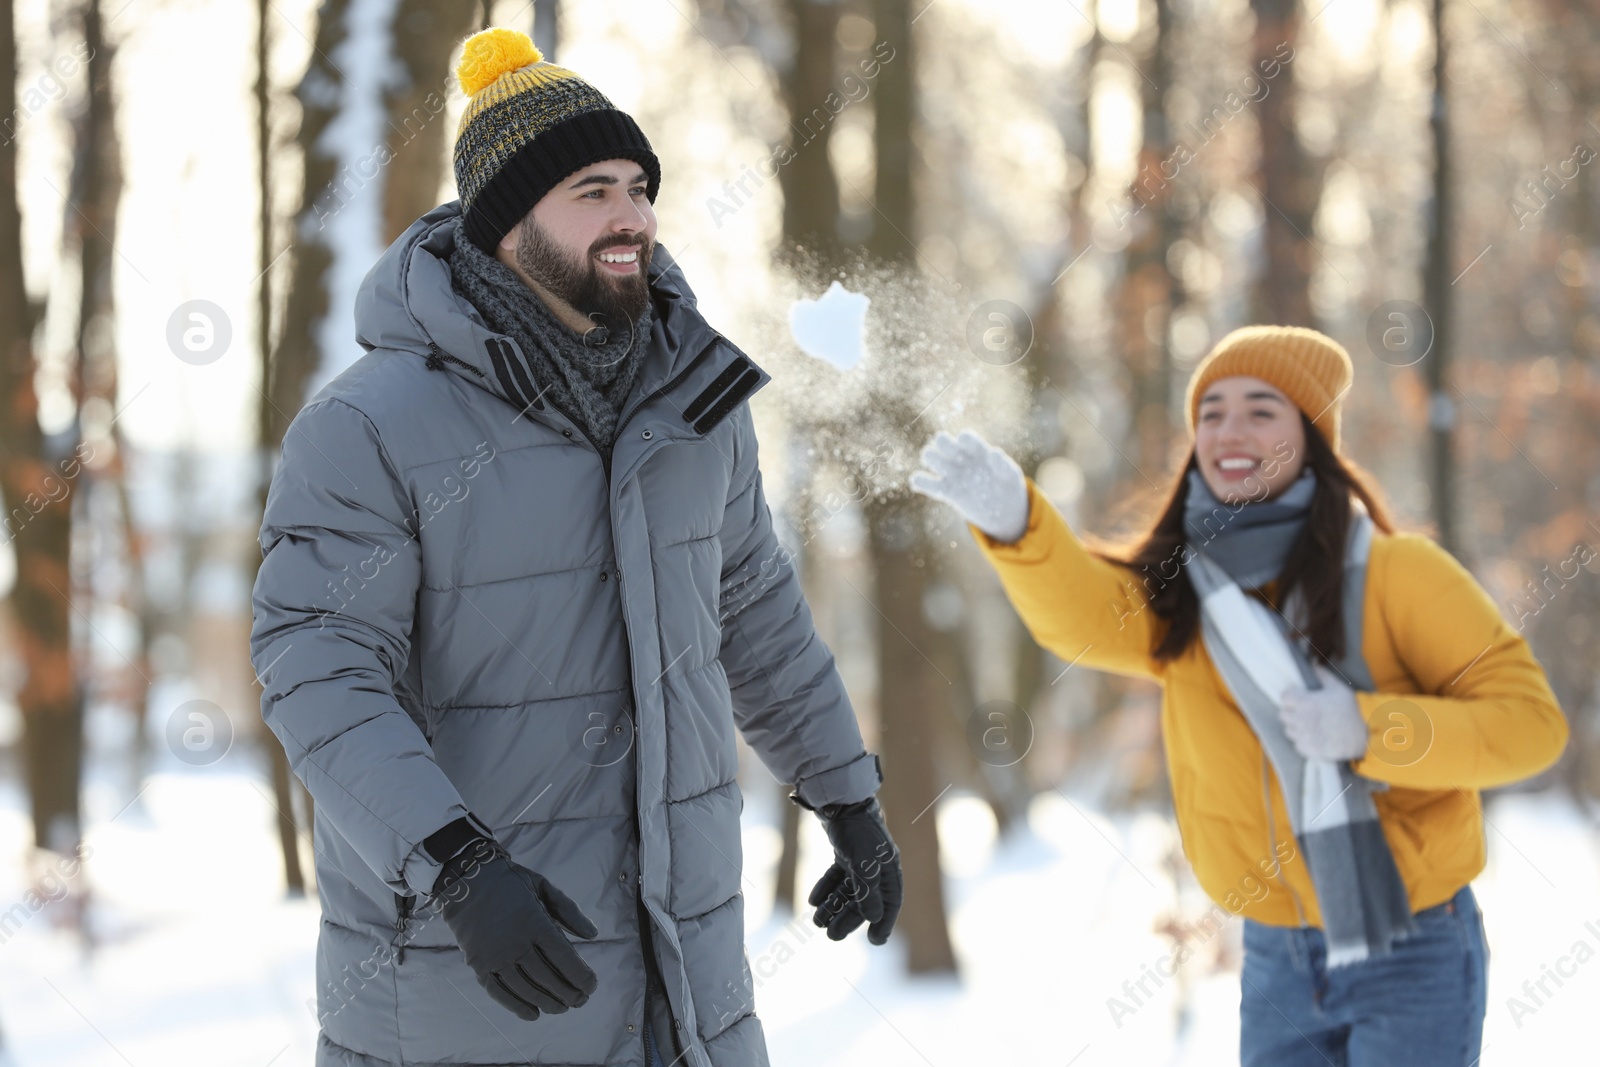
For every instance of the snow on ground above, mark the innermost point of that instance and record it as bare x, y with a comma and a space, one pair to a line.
201, 960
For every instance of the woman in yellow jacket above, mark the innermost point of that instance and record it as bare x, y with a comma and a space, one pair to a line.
1299, 638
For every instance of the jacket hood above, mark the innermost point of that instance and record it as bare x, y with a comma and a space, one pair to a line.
407, 304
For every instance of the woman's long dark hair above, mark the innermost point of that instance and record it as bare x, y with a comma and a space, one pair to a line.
1315, 561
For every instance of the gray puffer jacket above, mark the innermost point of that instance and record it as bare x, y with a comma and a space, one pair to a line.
460, 608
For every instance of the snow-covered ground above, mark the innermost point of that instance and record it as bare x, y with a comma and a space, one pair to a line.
200, 960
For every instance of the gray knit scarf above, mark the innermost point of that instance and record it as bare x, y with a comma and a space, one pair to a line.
1259, 652
1249, 539
586, 382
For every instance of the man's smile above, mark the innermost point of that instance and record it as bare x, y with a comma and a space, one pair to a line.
620, 261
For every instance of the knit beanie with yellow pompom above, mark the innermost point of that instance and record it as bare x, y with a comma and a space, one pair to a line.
528, 125
1312, 369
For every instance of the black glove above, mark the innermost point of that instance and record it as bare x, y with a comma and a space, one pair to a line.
864, 883
504, 918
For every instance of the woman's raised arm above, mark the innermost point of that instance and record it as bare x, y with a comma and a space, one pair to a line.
1080, 607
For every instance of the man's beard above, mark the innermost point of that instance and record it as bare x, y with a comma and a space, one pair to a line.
614, 302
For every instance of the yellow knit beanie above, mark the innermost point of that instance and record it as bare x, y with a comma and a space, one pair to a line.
1311, 368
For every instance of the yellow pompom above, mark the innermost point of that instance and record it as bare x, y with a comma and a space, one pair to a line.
491, 53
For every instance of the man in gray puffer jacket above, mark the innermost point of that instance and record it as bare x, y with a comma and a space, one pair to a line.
520, 583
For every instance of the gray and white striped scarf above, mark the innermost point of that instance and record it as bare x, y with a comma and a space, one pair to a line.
1259, 654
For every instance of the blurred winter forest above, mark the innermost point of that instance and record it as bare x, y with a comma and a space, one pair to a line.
1053, 209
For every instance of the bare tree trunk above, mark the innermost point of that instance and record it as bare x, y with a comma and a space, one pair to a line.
95, 191
36, 484
893, 111
810, 189
1144, 306
90, 222
810, 222
1563, 635
912, 697
298, 349
1149, 291
1286, 179
424, 33
408, 184
283, 784
1439, 287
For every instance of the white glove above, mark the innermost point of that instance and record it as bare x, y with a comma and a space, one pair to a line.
978, 480
1324, 723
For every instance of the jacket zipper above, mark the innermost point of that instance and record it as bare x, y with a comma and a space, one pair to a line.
673, 383
653, 985
646, 938
439, 355
402, 920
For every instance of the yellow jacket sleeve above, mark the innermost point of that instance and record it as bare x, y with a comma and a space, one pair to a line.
1486, 714
1075, 604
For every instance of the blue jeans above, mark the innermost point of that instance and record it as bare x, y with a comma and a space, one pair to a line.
1420, 1006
